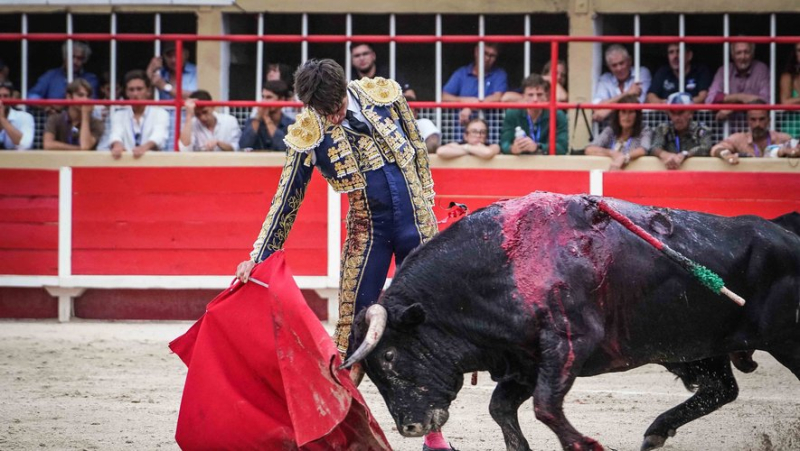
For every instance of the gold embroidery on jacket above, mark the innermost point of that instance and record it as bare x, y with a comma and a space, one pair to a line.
355, 253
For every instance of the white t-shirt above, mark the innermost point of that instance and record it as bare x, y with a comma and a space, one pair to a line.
23, 122
427, 128
152, 126
227, 130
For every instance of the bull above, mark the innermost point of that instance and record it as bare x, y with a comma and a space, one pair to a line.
542, 289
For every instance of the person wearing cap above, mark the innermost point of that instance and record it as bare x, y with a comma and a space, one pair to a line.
681, 138
162, 73
53, 83
16, 127
759, 142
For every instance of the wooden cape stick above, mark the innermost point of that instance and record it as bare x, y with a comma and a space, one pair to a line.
705, 276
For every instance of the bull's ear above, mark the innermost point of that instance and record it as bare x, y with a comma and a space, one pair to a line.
412, 316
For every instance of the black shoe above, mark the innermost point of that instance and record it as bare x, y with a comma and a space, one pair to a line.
428, 448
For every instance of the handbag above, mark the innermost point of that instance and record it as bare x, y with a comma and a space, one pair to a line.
582, 112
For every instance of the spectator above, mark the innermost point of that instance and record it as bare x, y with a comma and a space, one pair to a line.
4, 71
429, 132
267, 130
16, 127
624, 139
161, 71
476, 135
282, 72
5, 77
760, 141
620, 81
681, 137
53, 83
206, 130
533, 124
102, 112
138, 128
748, 79
561, 92
697, 77
363, 58
463, 84
75, 128
790, 92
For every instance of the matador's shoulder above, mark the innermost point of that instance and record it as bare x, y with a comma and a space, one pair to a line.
379, 91
306, 132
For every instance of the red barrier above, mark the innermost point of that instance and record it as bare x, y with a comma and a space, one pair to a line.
723, 193
28, 222
185, 221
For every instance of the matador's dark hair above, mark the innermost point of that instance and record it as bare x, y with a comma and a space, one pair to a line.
321, 84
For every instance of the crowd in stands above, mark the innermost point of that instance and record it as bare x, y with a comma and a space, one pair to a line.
138, 129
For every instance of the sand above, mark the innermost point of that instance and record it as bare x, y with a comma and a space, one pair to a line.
115, 385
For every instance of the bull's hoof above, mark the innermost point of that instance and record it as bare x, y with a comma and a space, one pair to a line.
743, 361
654, 441
587, 444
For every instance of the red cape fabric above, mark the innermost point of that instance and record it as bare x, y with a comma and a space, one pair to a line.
263, 375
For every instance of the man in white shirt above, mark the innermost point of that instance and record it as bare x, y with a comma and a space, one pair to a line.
620, 81
16, 127
205, 130
138, 128
427, 129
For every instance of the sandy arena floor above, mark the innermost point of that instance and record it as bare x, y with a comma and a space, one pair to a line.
115, 385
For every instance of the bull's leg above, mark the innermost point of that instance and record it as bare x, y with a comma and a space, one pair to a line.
789, 356
506, 399
560, 358
716, 387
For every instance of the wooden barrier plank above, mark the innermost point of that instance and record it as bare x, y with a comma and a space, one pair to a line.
27, 209
149, 180
183, 262
170, 235
28, 182
29, 262
503, 183
28, 236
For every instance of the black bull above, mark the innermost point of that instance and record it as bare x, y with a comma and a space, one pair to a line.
545, 288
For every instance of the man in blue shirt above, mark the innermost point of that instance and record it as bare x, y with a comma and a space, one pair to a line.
161, 71
697, 77
463, 84
53, 83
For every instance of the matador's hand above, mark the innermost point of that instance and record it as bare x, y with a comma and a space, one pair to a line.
244, 269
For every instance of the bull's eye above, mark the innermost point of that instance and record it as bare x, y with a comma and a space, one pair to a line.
389, 356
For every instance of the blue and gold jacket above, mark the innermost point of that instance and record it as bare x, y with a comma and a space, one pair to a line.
343, 156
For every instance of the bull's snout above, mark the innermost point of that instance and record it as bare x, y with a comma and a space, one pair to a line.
412, 430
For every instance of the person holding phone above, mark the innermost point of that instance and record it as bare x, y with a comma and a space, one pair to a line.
162, 73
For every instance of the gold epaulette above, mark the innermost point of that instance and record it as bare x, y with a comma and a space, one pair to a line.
306, 132
379, 90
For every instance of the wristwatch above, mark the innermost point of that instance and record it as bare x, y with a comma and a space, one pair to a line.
167, 87
685, 153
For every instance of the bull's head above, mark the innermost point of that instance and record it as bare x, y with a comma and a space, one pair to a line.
409, 365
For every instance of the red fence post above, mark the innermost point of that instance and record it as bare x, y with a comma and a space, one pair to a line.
178, 93
553, 94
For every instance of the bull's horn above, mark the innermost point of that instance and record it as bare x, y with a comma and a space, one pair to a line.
376, 319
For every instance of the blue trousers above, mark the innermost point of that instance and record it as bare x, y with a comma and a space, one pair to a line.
380, 225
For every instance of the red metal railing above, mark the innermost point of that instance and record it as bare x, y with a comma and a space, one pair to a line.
553, 105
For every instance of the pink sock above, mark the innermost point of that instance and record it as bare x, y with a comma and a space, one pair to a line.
435, 440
